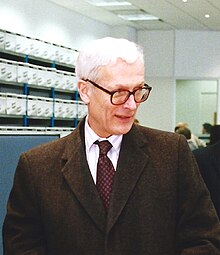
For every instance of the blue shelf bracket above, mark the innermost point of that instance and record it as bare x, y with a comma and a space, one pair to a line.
77, 109
53, 97
25, 118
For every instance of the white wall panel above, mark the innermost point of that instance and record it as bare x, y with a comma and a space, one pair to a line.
159, 52
159, 110
197, 54
49, 22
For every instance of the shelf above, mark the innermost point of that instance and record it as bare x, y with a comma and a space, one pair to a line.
37, 81
21, 45
20, 57
11, 130
34, 86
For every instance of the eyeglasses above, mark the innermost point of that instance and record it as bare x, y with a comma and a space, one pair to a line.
120, 96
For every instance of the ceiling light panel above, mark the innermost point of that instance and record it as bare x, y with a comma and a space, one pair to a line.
106, 3
135, 17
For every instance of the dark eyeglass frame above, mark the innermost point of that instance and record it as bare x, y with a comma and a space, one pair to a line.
111, 93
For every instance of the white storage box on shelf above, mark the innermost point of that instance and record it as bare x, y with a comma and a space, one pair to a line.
63, 54
65, 108
39, 106
69, 108
32, 74
73, 83
8, 70
58, 54
58, 109
68, 81
81, 109
73, 109
42, 76
50, 77
36, 75
15, 104
47, 107
65, 80
67, 56
45, 50
58, 79
23, 72
3, 103
38, 49
22, 44
32, 47
10, 41
54, 52
74, 57
2, 40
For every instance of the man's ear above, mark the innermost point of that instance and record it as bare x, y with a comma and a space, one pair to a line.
83, 89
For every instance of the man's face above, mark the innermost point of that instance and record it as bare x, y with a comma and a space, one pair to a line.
105, 118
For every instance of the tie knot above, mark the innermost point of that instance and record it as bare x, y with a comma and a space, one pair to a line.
104, 146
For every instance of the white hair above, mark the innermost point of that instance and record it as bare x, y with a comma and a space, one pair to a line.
105, 51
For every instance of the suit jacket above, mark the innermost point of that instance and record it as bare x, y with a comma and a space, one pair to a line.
159, 204
208, 160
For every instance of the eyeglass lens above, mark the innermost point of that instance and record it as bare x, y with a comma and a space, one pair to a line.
120, 97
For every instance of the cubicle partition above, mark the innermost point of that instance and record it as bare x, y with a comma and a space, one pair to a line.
11, 146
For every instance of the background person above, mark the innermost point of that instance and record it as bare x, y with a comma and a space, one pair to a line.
187, 133
158, 203
206, 128
197, 142
136, 121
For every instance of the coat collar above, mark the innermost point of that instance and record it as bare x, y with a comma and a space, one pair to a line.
132, 161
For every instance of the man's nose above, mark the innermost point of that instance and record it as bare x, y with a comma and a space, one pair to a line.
130, 103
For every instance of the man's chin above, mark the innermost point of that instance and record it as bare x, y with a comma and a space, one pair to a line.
123, 129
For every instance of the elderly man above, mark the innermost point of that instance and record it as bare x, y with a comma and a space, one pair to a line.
111, 187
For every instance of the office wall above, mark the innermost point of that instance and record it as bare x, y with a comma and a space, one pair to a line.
196, 103
197, 54
172, 55
47, 21
159, 110
181, 54
124, 32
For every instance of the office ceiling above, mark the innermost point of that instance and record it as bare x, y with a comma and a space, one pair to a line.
172, 14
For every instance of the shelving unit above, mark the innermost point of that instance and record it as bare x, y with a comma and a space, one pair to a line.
37, 84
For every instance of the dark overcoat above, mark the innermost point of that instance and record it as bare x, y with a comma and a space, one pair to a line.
208, 159
159, 204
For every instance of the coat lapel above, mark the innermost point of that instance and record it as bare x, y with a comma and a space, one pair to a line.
79, 179
132, 161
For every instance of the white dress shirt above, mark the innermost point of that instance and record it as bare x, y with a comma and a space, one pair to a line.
92, 150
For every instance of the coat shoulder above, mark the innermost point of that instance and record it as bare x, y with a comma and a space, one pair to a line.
52, 150
156, 136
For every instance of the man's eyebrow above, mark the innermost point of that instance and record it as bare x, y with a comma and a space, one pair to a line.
125, 86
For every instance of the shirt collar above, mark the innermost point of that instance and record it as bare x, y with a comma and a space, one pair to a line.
91, 137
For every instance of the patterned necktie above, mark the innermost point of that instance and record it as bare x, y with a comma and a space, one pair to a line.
105, 172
